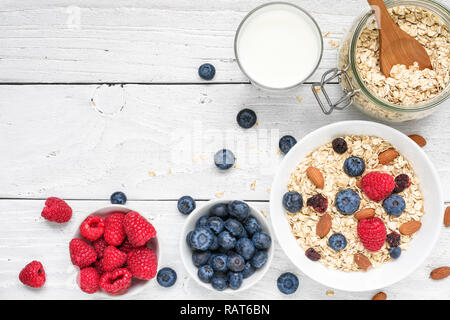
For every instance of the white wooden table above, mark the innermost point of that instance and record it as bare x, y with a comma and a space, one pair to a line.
99, 96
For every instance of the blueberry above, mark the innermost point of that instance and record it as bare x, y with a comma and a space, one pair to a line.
246, 118
239, 210
188, 238
234, 227
215, 224
201, 239
219, 262
226, 240
202, 222
394, 205
207, 71
219, 210
245, 248
215, 245
224, 159
244, 234
395, 252
337, 242
252, 226
200, 258
248, 270
339, 145
347, 201
259, 259
292, 201
235, 262
166, 277
235, 280
286, 143
205, 273
186, 204
219, 282
354, 166
287, 283
118, 198
261, 240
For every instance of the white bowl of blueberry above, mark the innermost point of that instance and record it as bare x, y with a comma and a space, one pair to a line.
226, 245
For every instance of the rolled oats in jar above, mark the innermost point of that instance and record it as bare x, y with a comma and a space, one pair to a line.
409, 93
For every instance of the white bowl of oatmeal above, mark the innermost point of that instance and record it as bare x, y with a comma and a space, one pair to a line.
296, 232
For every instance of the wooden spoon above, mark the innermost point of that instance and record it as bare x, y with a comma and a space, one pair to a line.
396, 46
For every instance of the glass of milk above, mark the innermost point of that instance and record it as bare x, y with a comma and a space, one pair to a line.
278, 46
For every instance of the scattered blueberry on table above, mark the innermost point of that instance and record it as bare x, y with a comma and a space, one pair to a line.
347, 201
292, 201
224, 159
186, 205
286, 143
118, 198
354, 166
207, 71
337, 242
287, 283
228, 245
394, 205
166, 277
246, 118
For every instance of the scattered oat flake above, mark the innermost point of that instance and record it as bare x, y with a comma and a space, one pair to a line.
253, 185
152, 173
299, 99
334, 44
326, 34
330, 293
203, 157
169, 171
219, 194
268, 190
263, 213
236, 165
195, 158
318, 89
256, 124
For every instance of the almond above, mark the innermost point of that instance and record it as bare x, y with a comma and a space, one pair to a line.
410, 227
323, 226
387, 156
362, 261
418, 139
380, 296
440, 273
316, 177
365, 214
447, 217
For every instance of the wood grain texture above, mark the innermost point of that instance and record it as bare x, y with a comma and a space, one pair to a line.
139, 41
48, 243
85, 142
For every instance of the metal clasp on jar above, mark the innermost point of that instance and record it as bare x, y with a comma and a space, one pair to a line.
345, 100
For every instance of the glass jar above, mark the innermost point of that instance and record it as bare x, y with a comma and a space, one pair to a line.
356, 92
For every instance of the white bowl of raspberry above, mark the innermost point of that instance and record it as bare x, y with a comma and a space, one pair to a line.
243, 251
302, 228
125, 277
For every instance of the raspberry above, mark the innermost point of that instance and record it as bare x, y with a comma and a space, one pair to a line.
138, 229
89, 280
92, 228
114, 231
401, 183
116, 282
318, 202
393, 239
377, 186
372, 233
126, 247
56, 210
143, 263
113, 258
98, 265
100, 246
33, 275
82, 254
312, 254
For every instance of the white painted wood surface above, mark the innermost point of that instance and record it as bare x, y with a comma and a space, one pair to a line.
82, 141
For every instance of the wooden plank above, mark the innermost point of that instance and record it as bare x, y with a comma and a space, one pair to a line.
138, 41
48, 243
157, 142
